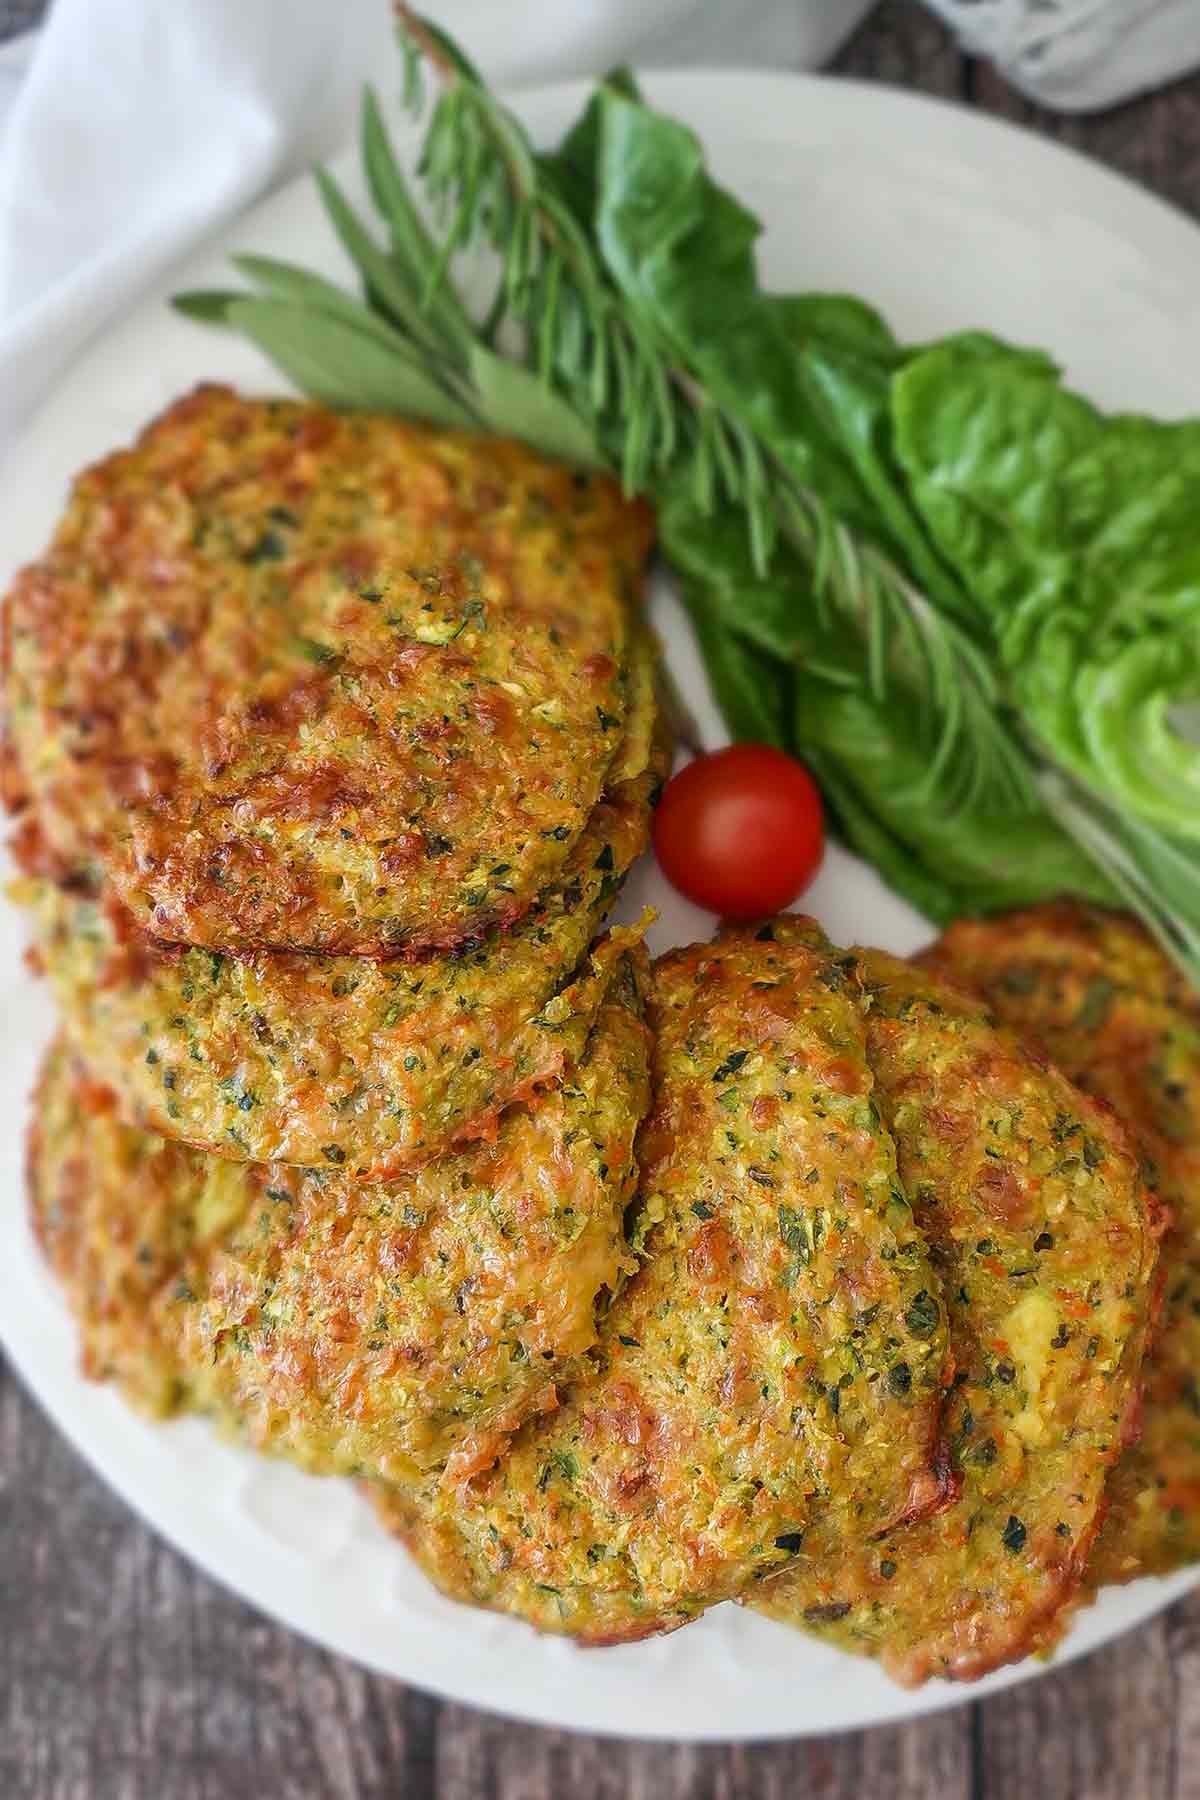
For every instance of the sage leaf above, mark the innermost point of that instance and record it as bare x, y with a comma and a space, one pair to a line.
342, 366
513, 401
389, 286
208, 305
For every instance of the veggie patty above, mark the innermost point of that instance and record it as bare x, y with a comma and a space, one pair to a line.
1045, 1239
1117, 1016
387, 1328
344, 1061
781, 1341
327, 681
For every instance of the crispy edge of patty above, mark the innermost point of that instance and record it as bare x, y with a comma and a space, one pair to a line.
1058, 1203
390, 1328
686, 1462
206, 850
109, 1266
1122, 1022
342, 1061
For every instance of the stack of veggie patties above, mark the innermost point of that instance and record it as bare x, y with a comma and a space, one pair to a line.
331, 740
877, 1286
883, 1349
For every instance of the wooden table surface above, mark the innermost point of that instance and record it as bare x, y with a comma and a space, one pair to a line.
125, 1675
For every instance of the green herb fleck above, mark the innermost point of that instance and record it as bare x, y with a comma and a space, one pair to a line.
794, 1232
270, 547
315, 652
900, 1379
923, 1315
1013, 1535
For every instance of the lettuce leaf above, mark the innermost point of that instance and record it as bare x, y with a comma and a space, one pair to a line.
1076, 533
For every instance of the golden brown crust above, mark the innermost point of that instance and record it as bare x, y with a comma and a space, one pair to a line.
103, 1211
385, 1328
326, 681
1120, 1019
855, 1189
1046, 1242
340, 1061
781, 1341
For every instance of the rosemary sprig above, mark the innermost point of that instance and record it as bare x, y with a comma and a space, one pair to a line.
491, 188
649, 416
972, 750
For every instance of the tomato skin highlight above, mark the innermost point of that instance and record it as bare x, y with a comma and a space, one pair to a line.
740, 831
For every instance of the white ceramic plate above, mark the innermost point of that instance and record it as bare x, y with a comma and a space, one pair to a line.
943, 219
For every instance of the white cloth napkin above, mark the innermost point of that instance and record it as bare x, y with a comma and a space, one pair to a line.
1077, 55
15, 58
143, 124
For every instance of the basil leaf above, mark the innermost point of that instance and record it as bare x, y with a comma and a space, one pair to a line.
681, 252
750, 689
851, 820
839, 320
810, 378
574, 167
991, 855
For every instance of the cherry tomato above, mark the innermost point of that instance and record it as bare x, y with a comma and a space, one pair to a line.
740, 831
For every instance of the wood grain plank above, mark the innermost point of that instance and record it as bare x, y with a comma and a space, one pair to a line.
903, 44
479, 1756
1100, 1729
1182, 1628
125, 1675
